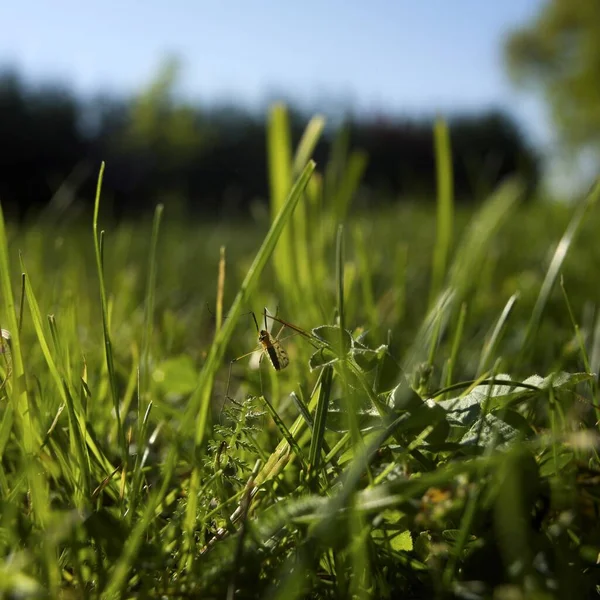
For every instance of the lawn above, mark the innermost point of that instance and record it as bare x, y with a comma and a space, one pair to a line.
434, 435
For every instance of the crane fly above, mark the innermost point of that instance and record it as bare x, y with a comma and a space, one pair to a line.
272, 347
269, 345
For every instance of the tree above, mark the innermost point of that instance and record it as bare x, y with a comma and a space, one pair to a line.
559, 53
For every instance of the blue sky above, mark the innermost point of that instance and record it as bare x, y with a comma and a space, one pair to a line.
398, 56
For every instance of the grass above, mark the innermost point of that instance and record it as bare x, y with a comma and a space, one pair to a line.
434, 436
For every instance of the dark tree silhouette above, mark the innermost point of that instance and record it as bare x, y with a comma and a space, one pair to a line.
214, 160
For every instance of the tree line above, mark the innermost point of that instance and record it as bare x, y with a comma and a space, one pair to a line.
214, 160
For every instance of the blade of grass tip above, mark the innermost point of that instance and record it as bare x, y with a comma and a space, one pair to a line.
494, 339
220, 291
280, 178
199, 402
445, 206
98, 247
307, 143
555, 265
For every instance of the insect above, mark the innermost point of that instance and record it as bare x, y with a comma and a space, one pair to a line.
269, 345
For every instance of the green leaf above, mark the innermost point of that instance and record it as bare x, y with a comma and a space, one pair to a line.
330, 335
465, 410
402, 542
322, 357
367, 358
499, 431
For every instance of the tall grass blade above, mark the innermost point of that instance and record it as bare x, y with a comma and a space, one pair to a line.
494, 339
69, 397
280, 176
18, 393
108, 351
149, 304
301, 224
445, 207
456, 343
318, 434
556, 263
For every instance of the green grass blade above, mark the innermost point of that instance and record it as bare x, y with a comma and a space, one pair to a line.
68, 395
19, 395
556, 263
347, 187
308, 143
364, 269
149, 304
339, 278
487, 356
463, 276
318, 434
445, 207
280, 177
99, 249
285, 432
456, 343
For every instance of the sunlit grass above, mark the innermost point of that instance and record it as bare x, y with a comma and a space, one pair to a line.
433, 436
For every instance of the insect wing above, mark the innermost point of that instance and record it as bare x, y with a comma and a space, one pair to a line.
274, 350
278, 356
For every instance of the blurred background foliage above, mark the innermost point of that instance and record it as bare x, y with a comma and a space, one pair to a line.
212, 160
558, 55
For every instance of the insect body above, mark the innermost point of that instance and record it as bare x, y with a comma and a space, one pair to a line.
269, 345
274, 350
